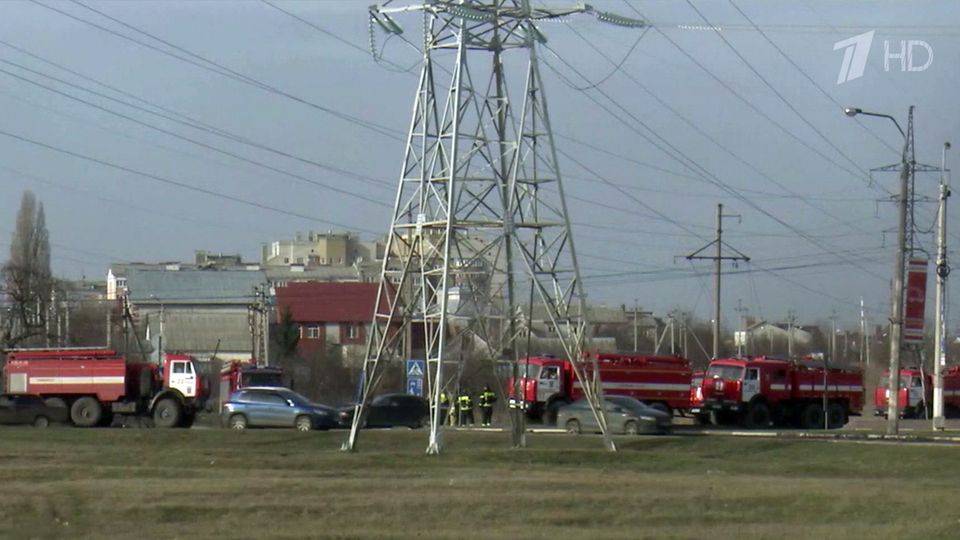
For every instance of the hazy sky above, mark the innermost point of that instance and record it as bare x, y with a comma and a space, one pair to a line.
811, 176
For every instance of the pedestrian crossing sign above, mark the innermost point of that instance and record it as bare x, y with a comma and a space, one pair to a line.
415, 368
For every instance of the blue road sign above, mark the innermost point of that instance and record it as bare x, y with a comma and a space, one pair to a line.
416, 371
415, 387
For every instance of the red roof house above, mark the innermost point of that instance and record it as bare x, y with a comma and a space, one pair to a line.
329, 313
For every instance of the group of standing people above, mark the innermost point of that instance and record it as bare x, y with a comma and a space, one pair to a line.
459, 412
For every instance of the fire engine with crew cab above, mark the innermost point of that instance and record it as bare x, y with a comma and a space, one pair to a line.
547, 383
97, 384
759, 391
915, 399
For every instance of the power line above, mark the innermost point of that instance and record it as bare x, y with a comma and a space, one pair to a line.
675, 153
177, 183
779, 95
810, 79
177, 117
706, 135
214, 67
191, 140
752, 106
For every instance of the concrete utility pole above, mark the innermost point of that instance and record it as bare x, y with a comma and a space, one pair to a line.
863, 334
833, 337
718, 259
904, 203
742, 342
943, 270
791, 321
636, 324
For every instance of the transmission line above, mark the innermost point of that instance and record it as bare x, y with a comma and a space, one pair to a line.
177, 183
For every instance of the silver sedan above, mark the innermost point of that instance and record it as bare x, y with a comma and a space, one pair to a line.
577, 418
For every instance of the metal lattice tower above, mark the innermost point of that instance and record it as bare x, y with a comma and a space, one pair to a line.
480, 230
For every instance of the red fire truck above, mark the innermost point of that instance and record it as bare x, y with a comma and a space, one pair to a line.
758, 391
548, 383
97, 384
236, 375
916, 393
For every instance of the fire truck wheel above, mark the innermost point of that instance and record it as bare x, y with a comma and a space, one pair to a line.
812, 417
837, 414
304, 423
41, 422
86, 412
573, 426
166, 413
55, 402
757, 416
238, 422
630, 428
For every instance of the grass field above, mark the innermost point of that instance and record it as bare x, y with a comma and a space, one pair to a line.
204, 483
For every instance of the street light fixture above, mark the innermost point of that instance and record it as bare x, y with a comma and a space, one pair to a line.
854, 111
896, 304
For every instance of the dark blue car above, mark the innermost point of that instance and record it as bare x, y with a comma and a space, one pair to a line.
275, 407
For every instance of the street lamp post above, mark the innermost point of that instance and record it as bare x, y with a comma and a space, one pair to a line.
896, 303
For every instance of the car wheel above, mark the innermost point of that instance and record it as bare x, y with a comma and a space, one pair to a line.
631, 428
573, 426
41, 422
304, 423
238, 422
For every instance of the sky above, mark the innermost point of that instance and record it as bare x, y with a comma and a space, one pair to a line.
740, 94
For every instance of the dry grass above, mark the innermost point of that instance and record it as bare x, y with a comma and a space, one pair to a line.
170, 484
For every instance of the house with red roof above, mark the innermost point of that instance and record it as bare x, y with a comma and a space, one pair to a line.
337, 313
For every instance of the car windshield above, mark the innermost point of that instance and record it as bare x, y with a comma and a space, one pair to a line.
885, 382
632, 404
531, 370
297, 398
725, 372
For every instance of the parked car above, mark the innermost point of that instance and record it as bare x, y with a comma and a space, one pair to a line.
28, 409
275, 407
577, 417
391, 410
652, 419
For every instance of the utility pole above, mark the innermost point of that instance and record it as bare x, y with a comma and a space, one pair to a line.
833, 337
791, 321
943, 270
864, 344
742, 346
905, 209
718, 259
109, 329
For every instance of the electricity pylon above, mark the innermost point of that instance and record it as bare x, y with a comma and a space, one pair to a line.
480, 228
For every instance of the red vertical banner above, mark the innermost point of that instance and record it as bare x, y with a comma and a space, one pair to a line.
915, 301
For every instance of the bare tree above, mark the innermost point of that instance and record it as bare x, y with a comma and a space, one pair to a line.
26, 276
